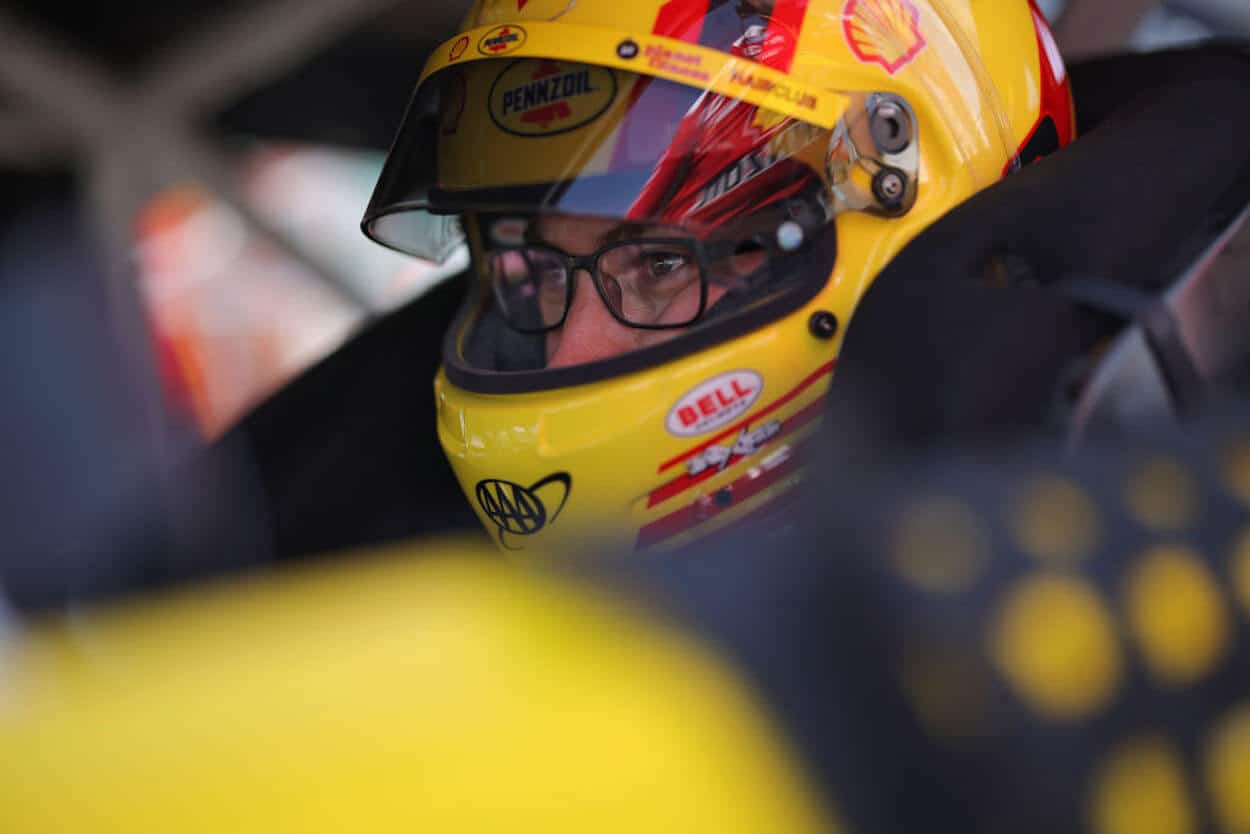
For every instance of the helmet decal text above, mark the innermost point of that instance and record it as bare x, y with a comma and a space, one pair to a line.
748, 442
715, 404
537, 97
502, 40
521, 511
885, 32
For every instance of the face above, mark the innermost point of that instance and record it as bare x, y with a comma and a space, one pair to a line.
591, 333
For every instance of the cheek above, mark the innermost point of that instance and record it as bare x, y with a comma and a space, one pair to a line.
553, 342
747, 263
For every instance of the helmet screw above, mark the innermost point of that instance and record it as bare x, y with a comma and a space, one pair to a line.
889, 186
891, 127
824, 325
725, 497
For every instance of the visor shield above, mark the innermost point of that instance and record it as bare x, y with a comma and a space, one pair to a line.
540, 135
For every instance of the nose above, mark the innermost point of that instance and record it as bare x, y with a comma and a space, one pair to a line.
590, 333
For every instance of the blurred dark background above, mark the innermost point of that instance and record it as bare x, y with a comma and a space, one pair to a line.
180, 186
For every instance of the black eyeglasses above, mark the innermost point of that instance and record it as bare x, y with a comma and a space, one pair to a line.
650, 284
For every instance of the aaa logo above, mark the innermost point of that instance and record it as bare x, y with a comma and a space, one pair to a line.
885, 32
520, 511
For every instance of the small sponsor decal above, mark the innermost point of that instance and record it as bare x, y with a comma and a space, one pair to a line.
516, 510
772, 89
781, 468
675, 62
717, 456
459, 48
539, 97
885, 32
715, 404
502, 40
747, 443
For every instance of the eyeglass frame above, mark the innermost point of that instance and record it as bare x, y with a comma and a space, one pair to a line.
589, 264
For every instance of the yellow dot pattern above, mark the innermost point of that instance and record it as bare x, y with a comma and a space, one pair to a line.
1163, 496
939, 546
1227, 770
1176, 614
1141, 790
1237, 470
1055, 643
1056, 521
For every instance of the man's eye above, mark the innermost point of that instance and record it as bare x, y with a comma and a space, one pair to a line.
663, 264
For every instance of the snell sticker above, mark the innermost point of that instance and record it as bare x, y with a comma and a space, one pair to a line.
538, 97
502, 40
715, 404
747, 443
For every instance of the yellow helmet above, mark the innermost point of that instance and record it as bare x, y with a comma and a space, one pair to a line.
673, 209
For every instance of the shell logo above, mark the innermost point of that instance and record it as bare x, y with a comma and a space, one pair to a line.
885, 32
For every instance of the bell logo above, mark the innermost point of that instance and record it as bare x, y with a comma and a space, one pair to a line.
885, 32
715, 404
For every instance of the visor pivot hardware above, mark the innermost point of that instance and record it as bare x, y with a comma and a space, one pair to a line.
790, 236
891, 127
824, 325
889, 186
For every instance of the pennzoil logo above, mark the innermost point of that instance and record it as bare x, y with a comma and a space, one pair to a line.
539, 97
885, 32
502, 40
516, 510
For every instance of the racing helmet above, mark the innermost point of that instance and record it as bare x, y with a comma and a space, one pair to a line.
672, 210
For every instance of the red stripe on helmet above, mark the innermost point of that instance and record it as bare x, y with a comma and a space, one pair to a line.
707, 508
787, 20
1056, 85
1056, 121
681, 19
686, 482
